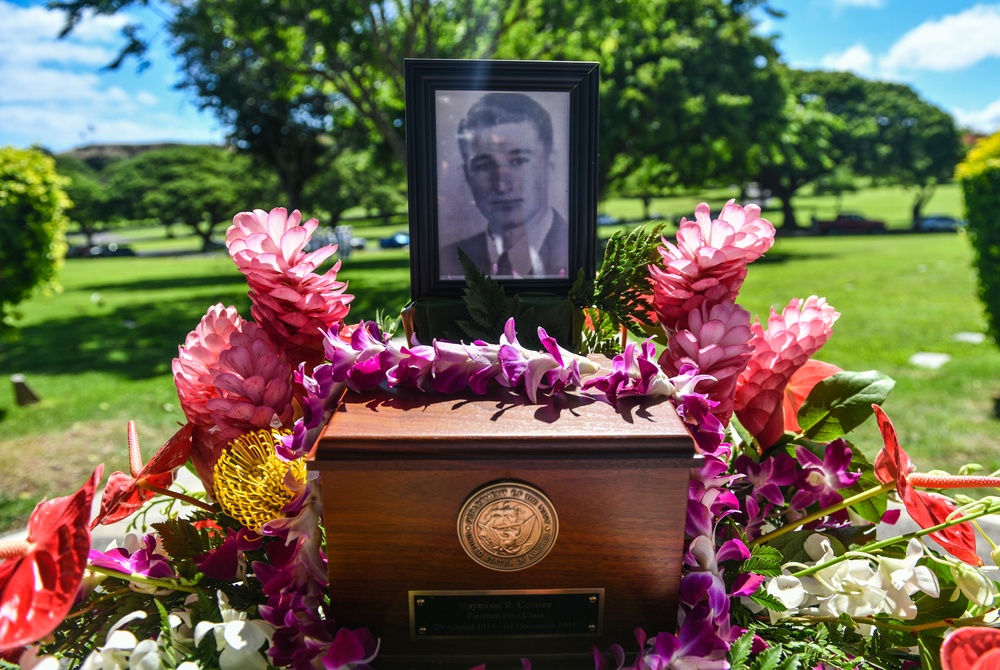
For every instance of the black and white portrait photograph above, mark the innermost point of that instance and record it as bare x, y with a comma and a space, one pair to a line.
503, 182
502, 164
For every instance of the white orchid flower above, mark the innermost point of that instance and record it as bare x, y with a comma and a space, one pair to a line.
118, 647
145, 656
789, 591
238, 638
902, 577
974, 585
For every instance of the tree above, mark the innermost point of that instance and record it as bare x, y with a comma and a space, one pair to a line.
800, 152
199, 186
687, 84
32, 225
687, 88
891, 134
280, 118
88, 194
354, 179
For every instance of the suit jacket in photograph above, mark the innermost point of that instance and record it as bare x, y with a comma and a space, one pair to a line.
553, 253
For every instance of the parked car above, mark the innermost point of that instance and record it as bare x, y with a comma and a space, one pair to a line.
100, 250
848, 224
396, 241
939, 223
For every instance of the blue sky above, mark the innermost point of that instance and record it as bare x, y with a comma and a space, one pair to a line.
54, 92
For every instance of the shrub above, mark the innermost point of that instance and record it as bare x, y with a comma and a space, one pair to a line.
979, 174
32, 225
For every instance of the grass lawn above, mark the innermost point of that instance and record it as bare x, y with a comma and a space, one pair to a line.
890, 204
98, 352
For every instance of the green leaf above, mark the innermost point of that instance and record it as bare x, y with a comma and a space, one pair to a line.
621, 282
945, 606
764, 560
767, 601
929, 643
181, 540
739, 651
841, 403
486, 301
792, 663
768, 659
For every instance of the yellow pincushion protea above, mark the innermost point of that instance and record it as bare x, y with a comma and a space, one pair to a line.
250, 479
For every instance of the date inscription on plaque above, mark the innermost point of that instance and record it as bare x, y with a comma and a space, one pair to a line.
530, 613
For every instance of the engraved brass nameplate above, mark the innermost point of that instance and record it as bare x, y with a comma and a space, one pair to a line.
528, 613
507, 526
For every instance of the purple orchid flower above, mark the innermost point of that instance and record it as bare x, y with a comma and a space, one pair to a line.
820, 480
137, 557
223, 562
457, 366
318, 405
413, 367
553, 369
769, 475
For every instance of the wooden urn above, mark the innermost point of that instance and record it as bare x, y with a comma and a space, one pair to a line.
469, 529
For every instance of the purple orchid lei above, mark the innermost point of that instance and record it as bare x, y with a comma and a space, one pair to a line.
368, 358
729, 491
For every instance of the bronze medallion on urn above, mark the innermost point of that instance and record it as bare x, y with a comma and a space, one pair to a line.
507, 526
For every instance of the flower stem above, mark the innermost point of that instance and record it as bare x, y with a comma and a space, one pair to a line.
97, 601
815, 516
880, 623
143, 579
176, 494
882, 544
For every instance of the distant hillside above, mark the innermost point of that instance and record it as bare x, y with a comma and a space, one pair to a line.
99, 155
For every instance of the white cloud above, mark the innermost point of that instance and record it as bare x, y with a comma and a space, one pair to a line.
985, 120
857, 59
952, 43
56, 94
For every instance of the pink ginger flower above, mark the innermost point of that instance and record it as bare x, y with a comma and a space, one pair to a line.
231, 379
289, 300
792, 337
714, 339
194, 368
709, 261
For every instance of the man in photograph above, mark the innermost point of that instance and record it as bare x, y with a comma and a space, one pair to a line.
506, 146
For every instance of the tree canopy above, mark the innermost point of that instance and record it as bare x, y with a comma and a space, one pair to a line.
199, 186
686, 83
891, 134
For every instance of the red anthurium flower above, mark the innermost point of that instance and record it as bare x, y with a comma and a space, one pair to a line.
972, 648
800, 385
39, 578
125, 494
927, 509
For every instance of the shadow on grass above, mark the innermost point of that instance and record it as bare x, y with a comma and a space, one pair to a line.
776, 257
135, 342
387, 297
361, 263
167, 283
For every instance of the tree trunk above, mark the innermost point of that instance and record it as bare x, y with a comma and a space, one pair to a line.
924, 194
789, 223
205, 233
646, 200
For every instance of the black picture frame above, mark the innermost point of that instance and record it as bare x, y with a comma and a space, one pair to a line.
436, 87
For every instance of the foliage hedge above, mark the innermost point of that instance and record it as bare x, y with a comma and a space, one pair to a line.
979, 175
32, 224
